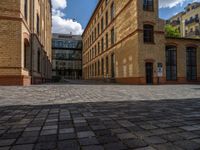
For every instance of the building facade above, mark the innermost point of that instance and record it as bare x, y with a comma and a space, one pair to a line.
188, 22
67, 56
25, 42
125, 41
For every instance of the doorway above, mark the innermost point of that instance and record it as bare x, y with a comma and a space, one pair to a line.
149, 73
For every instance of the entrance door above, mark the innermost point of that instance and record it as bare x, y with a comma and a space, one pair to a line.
149, 73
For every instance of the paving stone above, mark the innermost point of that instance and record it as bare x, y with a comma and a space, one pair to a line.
167, 146
93, 147
154, 140
6, 142
48, 132
85, 134
119, 131
135, 143
126, 136
45, 146
188, 145
23, 147
67, 130
115, 146
26, 140
47, 138
146, 148
188, 135
107, 139
68, 145
88, 141
69, 136
4, 148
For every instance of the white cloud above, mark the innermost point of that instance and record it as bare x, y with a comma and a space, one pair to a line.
60, 24
59, 4
170, 3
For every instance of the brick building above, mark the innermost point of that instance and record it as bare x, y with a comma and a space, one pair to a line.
25, 42
125, 41
188, 21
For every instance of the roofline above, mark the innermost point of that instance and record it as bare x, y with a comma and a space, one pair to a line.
97, 6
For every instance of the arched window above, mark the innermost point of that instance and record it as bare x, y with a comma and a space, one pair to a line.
171, 62
191, 62
148, 33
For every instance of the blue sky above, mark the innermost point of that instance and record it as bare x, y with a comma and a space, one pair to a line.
73, 15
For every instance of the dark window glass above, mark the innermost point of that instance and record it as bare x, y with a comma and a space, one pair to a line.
191, 60
107, 40
102, 24
38, 24
102, 66
148, 5
112, 36
102, 44
171, 63
26, 9
148, 34
112, 11
106, 18
38, 61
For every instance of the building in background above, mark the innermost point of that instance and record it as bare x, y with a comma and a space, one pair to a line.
125, 42
25, 41
188, 22
67, 56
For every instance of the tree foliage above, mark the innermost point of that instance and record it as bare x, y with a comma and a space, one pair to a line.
171, 31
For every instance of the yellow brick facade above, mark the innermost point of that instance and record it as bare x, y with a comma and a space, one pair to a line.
125, 57
25, 28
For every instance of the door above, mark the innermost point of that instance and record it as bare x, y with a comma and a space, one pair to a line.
149, 73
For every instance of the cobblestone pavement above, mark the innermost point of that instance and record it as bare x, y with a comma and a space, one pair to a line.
98, 117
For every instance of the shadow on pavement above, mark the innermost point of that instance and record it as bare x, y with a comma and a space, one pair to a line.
164, 124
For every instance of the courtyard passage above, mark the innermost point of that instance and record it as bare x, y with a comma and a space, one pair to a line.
97, 117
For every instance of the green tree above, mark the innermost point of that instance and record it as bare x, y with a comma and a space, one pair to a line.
171, 31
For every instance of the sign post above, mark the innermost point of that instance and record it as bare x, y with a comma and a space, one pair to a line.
159, 72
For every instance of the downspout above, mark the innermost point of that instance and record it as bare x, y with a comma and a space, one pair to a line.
32, 31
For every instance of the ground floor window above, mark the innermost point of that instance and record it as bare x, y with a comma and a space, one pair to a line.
191, 60
171, 63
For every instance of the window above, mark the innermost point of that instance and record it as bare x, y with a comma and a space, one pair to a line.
38, 24
107, 65
112, 11
102, 24
171, 63
191, 60
107, 40
38, 61
148, 34
25, 55
98, 67
98, 28
112, 36
148, 5
98, 47
102, 44
107, 18
102, 67
26, 9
